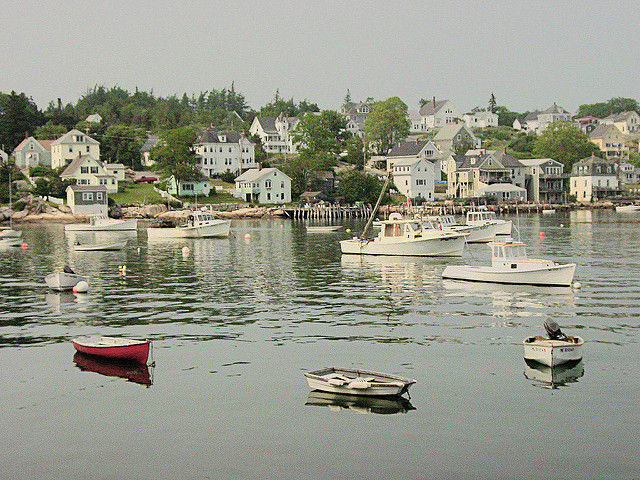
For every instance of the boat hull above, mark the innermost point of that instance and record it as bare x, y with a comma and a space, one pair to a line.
553, 352
101, 246
628, 209
358, 382
445, 245
63, 281
547, 276
479, 233
112, 225
114, 348
218, 229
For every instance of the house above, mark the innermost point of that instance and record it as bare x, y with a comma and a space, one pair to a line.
263, 185
536, 121
627, 173
415, 177
188, 188
545, 180
503, 192
218, 152
87, 199
4, 157
322, 180
451, 136
587, 124
73, 143
116, 169
356, 114
32, 153
275, 133
480, 119
145, 159
94, 118
426, 149
611, 141
627, 122
416, 125
593, 178
86, 170
437, 114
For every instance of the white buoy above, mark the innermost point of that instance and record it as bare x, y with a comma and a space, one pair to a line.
577, 285
185, 250
247, 237
81, 287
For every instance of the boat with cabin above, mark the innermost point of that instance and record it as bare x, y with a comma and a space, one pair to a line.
102, 223
510, 265
628, 208
410, 237
352, 381
199, 225
481, 233
485, 216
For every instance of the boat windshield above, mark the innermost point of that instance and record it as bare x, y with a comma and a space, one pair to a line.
509, 251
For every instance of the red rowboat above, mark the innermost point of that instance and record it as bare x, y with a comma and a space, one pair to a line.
115, 348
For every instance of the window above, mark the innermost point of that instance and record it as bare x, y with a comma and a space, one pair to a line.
188, 186
268, 196
98, 195
87, 196
87, 148
267, 184
103, 181
84, 169
94, 169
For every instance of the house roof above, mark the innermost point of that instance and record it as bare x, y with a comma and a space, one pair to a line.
268, 124
212, 135
593, 159
73, 166
448, 132
403, 149
152, 141
620, 117
254, 174
93, 188
45, 144
534, 162
555, 109
432, 107
507, 159
408, 161
601, 130
66, 138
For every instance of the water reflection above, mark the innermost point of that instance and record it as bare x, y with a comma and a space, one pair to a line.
359, 404
132, 371
553, 377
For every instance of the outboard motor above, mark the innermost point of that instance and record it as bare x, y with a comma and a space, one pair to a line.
67, 269
553, 330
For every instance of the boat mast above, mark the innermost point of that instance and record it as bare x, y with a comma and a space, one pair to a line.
375, 209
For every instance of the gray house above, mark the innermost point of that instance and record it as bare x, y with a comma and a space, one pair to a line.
87, 199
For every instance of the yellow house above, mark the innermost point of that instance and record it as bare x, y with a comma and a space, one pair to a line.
86, 170
73, 143
611, 141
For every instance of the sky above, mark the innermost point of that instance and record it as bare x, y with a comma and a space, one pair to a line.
529, 54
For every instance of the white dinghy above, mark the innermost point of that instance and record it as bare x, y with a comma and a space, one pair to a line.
555, 350
65, 280
357, 382
510, 265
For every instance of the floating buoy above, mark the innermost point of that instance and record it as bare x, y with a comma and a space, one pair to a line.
577, 285
281, 226
24, 245
81, 287
247, 236
348, 230
122, 269
185, 250
542, 234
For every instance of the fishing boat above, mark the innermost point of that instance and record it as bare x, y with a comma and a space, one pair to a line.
510, 265
115, 348
484, 216
199, 225
408, 237
357, 382
481, 233
359, 404
556, 349
628, 208
65, 280
102, 223
90, 247
323, 228
133, 371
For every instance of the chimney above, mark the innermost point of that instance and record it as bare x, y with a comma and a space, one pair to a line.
259, 166
434, 102
86, 130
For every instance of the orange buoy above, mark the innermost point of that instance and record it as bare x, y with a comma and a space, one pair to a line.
542, 234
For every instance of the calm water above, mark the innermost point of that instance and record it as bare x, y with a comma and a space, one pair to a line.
236, 322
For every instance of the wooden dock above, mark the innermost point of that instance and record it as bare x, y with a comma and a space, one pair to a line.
328, 212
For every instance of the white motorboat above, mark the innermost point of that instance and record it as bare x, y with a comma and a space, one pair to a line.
481, 233
11, 242
510, 264
482, 217
357, 382
408, 237
628, 208
323, 228
102, 222
90, 247
557, 349
199, 225
8, 232
65, 280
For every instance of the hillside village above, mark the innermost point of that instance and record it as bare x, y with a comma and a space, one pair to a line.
443, 157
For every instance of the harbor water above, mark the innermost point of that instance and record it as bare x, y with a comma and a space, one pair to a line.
236, 321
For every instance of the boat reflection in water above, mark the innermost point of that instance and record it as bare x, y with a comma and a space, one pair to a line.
553, 377
358, 403
132, 371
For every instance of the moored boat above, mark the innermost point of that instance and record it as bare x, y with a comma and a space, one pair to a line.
323, 228
199, 225
408, 237
8, 232
510, 265
357, 382
481, 233
483, 217
11, 242
65, 280
555, 350
628, 208
102, 223
115, 348
89, 247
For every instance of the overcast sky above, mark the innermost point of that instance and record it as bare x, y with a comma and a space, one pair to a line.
529, 54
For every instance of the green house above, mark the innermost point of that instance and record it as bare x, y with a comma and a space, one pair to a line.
188, 188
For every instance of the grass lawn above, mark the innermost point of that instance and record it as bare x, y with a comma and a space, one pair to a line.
143, 194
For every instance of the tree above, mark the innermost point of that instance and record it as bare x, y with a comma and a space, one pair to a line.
387, 124
355, 152
522, 145
321, 133
492, 102
356, 185
121, 144
49, 131
565, 143
505, 116
287, 107
604, 109
174, 154
19, 117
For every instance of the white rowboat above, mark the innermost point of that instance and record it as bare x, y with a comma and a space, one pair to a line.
102, 223
323, 228
63, 280
88, 247
350, 381
553, 352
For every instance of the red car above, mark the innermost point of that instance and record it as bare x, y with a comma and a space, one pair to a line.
145, 180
